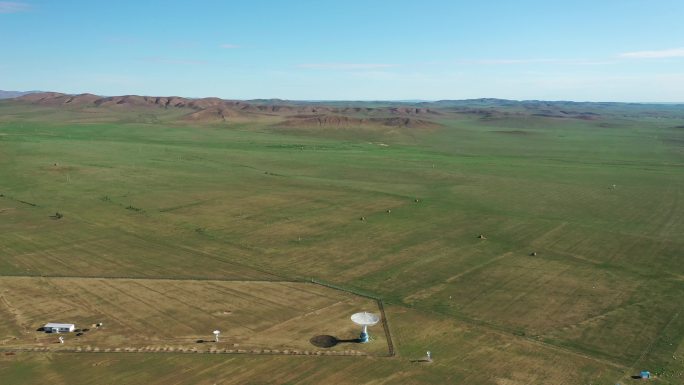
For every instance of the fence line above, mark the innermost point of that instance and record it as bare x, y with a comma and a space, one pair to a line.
283, 352
381, 308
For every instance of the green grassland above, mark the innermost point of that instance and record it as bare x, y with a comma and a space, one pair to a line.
144, 196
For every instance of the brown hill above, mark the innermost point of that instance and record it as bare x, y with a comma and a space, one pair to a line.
322, 121
39, 97
206, 103
140, 101
56, 99
411, 111
214, 110
213, 115
404, 122
304, 121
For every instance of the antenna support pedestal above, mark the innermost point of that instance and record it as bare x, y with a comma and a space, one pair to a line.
363, 338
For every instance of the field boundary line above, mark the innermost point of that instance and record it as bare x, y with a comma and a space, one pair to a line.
157, 278
653, 342
381, 307
19, 200
255, 352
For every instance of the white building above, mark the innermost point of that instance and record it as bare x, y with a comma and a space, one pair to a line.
53, 327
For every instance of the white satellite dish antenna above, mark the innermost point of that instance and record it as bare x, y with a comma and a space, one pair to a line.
365, 319
61, 339
216, 334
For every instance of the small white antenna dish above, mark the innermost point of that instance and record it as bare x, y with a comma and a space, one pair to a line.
61, 339
429, 356
365, 319
216, 334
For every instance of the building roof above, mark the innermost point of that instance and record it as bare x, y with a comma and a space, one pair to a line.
58, 325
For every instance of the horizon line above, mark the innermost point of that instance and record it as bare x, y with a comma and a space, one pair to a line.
352, 100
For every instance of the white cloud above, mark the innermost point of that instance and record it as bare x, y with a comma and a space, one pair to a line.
229, 46
346, 66
662, 54
13, 7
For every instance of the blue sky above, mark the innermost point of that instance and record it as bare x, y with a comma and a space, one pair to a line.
600, 50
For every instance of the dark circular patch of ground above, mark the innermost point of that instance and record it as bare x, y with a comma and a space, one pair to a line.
324, 341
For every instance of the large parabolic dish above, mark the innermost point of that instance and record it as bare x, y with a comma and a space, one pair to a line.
365, 319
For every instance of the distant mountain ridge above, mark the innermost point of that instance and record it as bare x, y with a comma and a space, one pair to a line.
216, 110
15, 94
287, 113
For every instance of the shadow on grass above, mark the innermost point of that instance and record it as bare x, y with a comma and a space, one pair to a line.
422, 360
326, 341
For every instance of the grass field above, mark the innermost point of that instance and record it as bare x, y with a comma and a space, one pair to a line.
599, 301
172, 315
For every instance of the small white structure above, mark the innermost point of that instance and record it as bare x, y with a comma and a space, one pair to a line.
54, 327
61, 339
216, 335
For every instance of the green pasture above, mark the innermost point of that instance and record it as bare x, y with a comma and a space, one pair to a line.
600, 202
